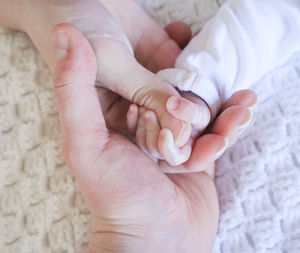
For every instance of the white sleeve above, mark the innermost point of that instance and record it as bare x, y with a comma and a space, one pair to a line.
243, 41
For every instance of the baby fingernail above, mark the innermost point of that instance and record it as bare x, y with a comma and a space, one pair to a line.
173, 103
61, 44
169, 136
147, 116
222, 150
132, 108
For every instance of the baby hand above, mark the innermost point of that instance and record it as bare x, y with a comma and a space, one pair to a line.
157, 141
235, 116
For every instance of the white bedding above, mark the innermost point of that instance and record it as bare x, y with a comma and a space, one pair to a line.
41, 207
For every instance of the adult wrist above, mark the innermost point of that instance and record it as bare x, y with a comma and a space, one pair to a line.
153, 237
113, 242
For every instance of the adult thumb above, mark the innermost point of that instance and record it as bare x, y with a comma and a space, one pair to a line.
82, 123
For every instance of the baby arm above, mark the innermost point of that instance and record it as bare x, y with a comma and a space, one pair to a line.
112, 29
240, 44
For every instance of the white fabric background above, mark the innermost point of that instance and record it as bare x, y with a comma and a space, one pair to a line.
41, 207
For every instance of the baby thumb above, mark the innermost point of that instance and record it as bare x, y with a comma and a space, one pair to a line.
190, 107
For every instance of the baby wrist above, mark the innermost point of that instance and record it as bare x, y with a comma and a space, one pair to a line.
194, 82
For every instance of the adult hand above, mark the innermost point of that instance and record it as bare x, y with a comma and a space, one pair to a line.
135, 207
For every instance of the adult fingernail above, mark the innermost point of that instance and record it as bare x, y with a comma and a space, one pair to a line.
61, 44
222, 150
173, 103
244, 125
252, 107
253, 103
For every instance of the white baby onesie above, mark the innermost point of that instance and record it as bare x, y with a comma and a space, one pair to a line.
241, 43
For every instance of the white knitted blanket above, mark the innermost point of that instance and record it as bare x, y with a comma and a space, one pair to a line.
41, 207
